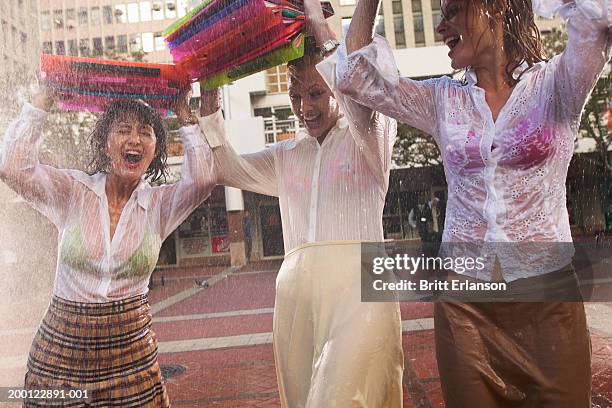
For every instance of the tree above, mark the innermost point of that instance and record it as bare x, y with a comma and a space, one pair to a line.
594, 123
415, 148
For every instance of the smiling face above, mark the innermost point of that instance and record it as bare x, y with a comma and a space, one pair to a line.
471, 33
311, 100
131, 147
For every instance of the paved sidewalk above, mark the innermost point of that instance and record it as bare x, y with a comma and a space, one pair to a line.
216, 343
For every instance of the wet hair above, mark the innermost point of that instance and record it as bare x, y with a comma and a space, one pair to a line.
145, 114
312, 56
522, 40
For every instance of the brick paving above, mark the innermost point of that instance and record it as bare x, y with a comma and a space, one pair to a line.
216, 341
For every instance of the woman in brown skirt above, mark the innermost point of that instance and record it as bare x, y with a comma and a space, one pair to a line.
506, 134
96, 335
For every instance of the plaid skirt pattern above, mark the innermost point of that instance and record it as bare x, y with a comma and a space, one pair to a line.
107, 349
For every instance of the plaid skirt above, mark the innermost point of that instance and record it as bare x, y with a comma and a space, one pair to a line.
107, 349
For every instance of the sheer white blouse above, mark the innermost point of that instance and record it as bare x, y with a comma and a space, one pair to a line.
506, 178
330, 191
90, 266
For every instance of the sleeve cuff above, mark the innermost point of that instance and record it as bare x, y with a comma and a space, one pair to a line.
32, 113
191, 136
378, 55
592, 9
327, 69
213, 129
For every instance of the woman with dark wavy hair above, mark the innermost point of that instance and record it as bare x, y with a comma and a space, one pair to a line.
506, 133
96, 334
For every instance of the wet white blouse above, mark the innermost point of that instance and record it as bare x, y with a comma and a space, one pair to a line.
332, 191
90, 266
506, 178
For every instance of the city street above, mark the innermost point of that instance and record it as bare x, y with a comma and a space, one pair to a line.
215, 342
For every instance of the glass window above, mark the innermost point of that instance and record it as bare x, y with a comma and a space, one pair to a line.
346, 21
397, 7
70, 18
120, 13
147, 42
435, 5
58, 18
379, 24
419, 31
158, 10
400, 37
170, 9
145, 11
417, 6
84, 47
45, 20
60, 48
122, 44
109, 43
160, 44
135, 42
107, 15
47, 47
95, 16
437, 18
276, 79
132, 13
72, 47
83, 16
97, 46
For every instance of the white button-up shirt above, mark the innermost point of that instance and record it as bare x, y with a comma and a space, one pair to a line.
330, 191
506, 178
91, 267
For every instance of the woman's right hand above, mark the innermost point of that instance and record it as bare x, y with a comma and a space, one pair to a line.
210, 102
44, 99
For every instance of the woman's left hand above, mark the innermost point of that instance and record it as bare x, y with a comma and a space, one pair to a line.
181, 105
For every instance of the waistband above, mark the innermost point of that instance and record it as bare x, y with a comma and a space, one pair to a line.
336, 243
100, 309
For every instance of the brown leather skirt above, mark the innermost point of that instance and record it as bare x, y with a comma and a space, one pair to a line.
513, 354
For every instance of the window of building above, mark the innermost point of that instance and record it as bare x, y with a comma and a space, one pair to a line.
147, 42
47, 47
107, 15
83, 16
84, 47
346, 22
417, 6
145, 11
397, 7
419, 30
120, 13
58, 19
95, 16
45, 20
158, 10
170, 9
379, 24
132, 13
71, 18
72, 47
400, 35
276, 79
160, 44
60, 48
437, 18
109, 43
135, 43
97, 46
122, 44
279, 123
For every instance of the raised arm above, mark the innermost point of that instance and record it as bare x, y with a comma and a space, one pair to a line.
253, 172
366, 72
374, 133
589, 27
46, 188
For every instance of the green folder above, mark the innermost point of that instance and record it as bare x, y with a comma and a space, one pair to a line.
286, 53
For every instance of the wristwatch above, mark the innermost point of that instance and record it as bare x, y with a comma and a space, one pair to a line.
329, 46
